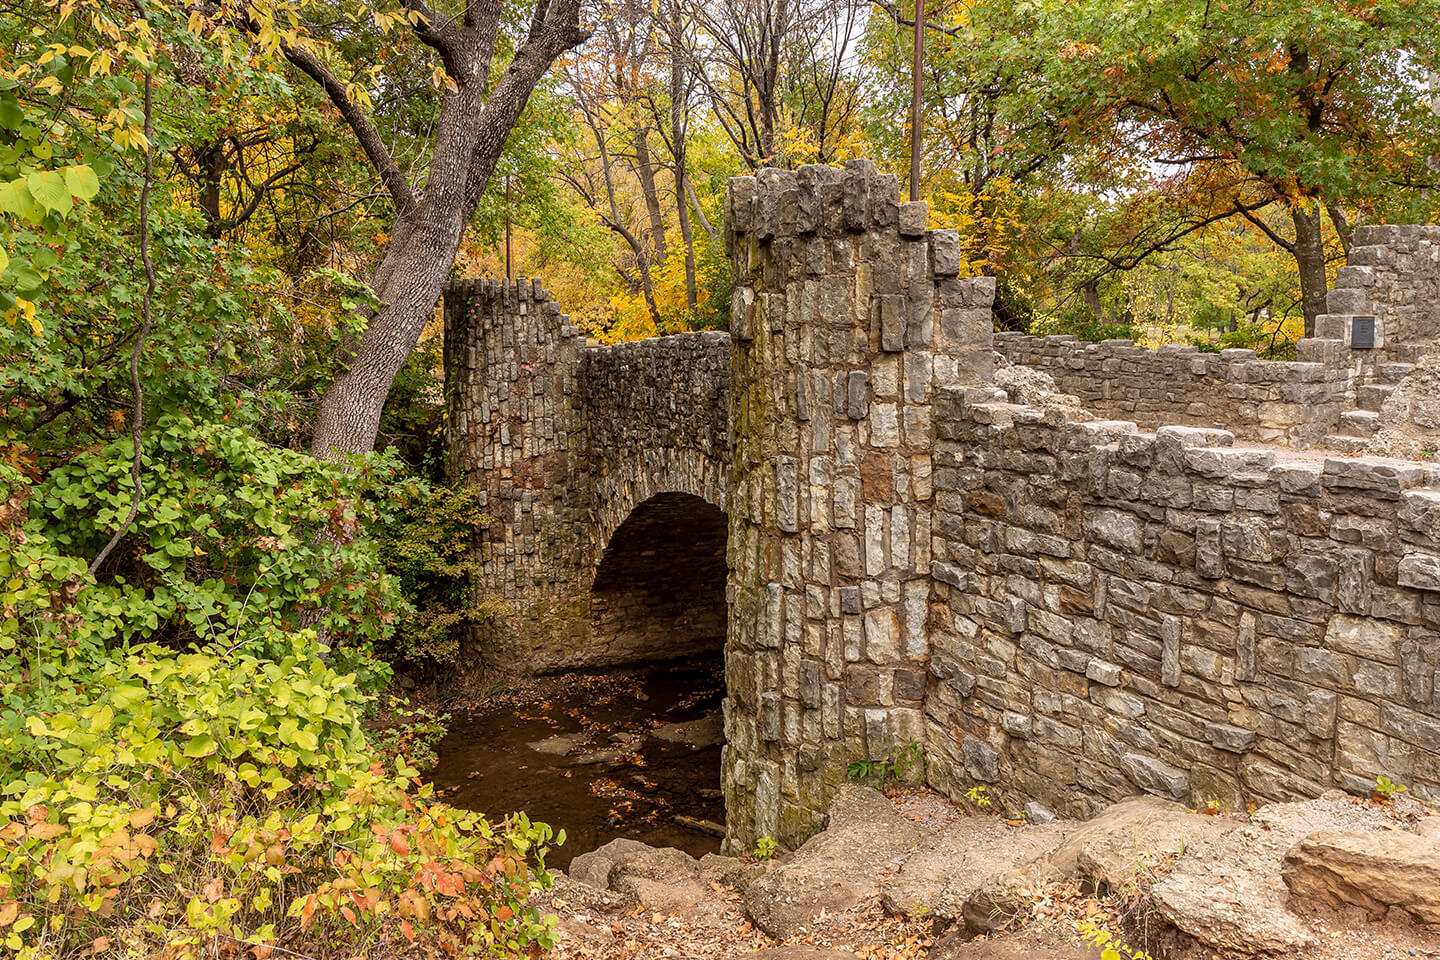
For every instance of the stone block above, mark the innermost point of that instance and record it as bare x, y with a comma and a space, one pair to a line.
1155, 776
944, 253
912, 218
982, 761
1420, 571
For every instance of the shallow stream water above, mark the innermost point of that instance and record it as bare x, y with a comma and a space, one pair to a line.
605, 756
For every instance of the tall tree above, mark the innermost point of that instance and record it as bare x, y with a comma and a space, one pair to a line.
1306, 105
474, 118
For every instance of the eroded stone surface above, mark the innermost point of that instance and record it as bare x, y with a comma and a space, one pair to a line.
594, 868
1376, 870
1124, 842
939, 878
833, 870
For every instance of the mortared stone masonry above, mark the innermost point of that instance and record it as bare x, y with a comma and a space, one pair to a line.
892, 553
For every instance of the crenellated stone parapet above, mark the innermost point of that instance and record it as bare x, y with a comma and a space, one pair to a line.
1293, 404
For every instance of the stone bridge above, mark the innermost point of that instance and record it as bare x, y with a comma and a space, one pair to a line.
889, 552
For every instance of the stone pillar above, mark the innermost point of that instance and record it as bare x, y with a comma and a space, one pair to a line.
1393, 275
516, 428
848, 314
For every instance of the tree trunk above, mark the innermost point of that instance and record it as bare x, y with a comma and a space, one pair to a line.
677, 146
210, 162
408, 284
1310, 258
646, 170
1091, 291
470, 134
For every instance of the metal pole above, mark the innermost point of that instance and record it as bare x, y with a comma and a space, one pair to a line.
915, 100
508, 274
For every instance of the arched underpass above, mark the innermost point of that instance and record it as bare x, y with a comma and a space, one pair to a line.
659, 592
631, 747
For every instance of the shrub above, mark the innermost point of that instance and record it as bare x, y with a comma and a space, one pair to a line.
182, 772
236, 541
427, 544
156, 802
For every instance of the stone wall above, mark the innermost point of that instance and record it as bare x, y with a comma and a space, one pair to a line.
1116, 612
567, 440
847, 316
1393, 274
1293, 404
517, 428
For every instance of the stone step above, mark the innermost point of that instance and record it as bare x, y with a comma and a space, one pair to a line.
1372, 396
1393, 372
1360, 423
1343, 443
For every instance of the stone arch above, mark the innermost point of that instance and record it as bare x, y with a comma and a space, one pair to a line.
659, 587
622, 487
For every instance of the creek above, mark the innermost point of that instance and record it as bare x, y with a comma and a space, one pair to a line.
598, 755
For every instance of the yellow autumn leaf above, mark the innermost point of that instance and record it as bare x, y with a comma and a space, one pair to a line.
27, 310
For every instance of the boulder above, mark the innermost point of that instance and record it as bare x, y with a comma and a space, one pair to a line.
1026, 945
593, 868
833, 870
1231, 899
560, 744
1376, 871
940, 877
731, 872
664, 880
1120, 846
707, 731
921, 880
1003, 899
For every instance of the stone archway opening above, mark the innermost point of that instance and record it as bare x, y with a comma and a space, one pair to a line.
659, 590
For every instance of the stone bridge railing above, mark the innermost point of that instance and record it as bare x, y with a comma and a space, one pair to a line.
566, 438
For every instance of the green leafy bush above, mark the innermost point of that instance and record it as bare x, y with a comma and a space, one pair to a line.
427, 544
412, 732
237, 541
183, 766
155, 801
1083, 325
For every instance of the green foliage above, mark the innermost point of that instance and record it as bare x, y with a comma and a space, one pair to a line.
766, 848
1386, 788
1112, 947
245, 785
427, 546
236, 541
403, 731
1087, 328
905, 764
979, 795
222, 793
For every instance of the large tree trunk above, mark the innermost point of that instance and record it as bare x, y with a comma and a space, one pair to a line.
1310, 258
408, 284
470, 134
